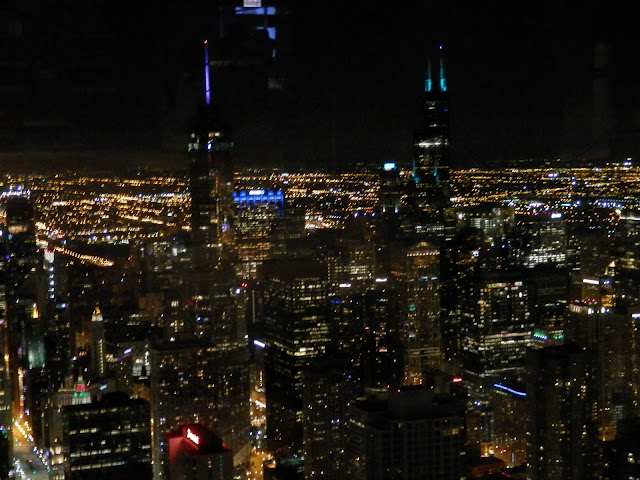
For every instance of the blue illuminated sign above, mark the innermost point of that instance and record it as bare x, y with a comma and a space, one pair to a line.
256, 198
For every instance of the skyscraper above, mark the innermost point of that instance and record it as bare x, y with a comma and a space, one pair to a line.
191, 382
98, 347
416, 270
210, 179
561, 419
409, 435
430, 190
111, 437
495, 327
297, 332
21, 291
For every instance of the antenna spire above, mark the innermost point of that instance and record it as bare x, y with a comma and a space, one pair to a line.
443, 80
428, 83
207, 86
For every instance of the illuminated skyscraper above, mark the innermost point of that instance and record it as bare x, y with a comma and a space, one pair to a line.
495, 327
21, 289
210, 180
297, 332
259, 215
325, 398
197, 453
429, 197
561, 419
412, 434
191, 382
417, 271
98, 347
110, 437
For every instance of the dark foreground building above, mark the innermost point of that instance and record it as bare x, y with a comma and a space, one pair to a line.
107, 439
412, 434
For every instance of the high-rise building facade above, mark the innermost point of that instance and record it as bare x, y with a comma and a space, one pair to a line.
429, 197
296, 332
417, 272
495, 327
98, 345
111, 437
409, 435
210, 180
561, 417
192, 382
197, 453
326, 395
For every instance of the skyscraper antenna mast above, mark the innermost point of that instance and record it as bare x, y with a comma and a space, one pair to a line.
207, 84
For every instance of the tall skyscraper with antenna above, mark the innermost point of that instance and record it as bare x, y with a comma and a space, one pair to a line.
210, 179
431, 164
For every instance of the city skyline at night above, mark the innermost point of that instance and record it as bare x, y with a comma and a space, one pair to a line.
277, 240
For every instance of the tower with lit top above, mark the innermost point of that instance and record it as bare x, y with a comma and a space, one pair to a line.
81, 394
429, 195
98, 362
210, 179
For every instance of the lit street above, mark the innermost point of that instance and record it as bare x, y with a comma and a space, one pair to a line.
27, 462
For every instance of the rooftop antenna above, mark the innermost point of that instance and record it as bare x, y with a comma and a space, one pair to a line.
427, 79
443, 81
207, 85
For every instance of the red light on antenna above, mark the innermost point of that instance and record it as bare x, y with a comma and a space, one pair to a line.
206, 41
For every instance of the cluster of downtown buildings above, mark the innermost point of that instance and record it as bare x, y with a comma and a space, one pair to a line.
434, 335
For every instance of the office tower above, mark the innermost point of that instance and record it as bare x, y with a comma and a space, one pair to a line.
21, 294
627, 258
548, 287
296, 333
72, 392
621, 460
416, 271
210, 180
540, 238
197, 453
259, 219
508, 440
216, 308
383, 352
5, 380
430, 192
612, 335
328, 388
57, 335
539, 244
393, 186
495, 327
98, 347
110, 438
352, 262
192, 382
494, 220
410, 435
561, 420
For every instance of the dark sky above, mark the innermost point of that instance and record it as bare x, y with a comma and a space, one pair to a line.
521, 78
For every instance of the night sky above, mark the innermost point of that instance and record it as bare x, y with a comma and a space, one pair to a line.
346, 85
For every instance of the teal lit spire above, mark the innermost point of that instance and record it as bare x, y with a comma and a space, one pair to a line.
427, 77
443, 80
